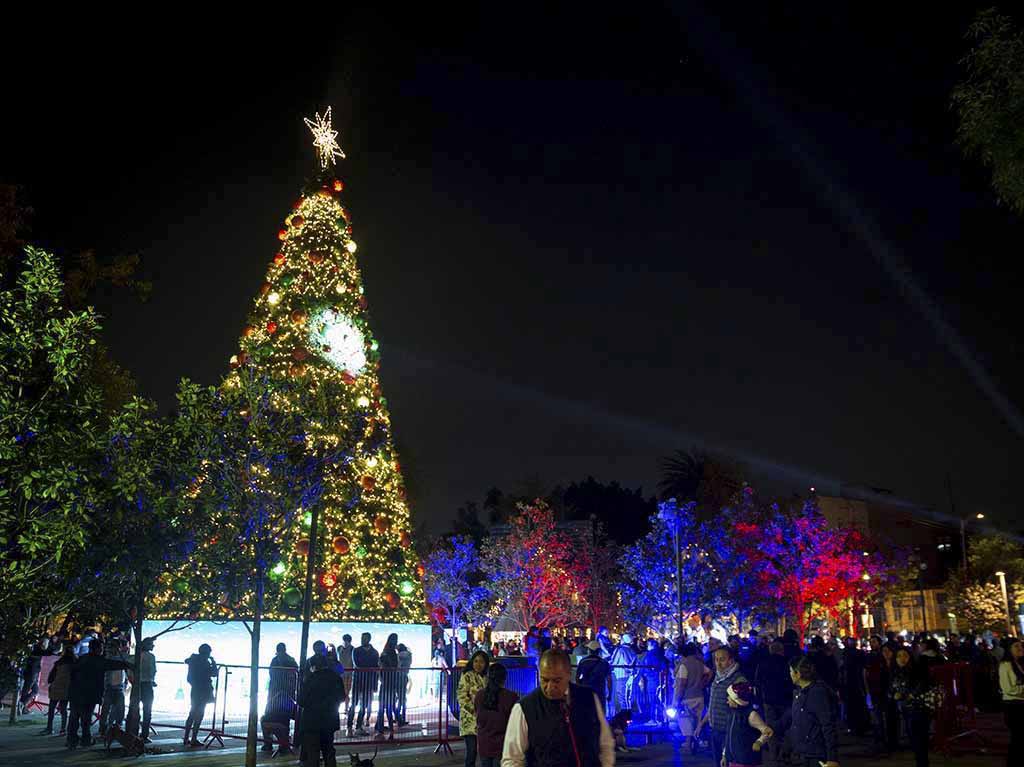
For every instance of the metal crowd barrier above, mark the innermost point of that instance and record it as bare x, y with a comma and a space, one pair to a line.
423, 702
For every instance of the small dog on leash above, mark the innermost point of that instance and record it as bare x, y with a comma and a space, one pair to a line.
357, 762
132, 744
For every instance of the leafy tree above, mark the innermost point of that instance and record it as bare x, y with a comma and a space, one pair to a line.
149, 468
51, 429
808, 568
467, 522
712, 481
616, 508
648, 570
256, 486
595, 569
990, 103
975, 596
530, 571
452, 582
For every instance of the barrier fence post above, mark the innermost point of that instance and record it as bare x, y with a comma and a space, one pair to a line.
442, 714
216, 734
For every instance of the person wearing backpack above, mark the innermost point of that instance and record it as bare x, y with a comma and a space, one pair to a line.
201, 671
594, 672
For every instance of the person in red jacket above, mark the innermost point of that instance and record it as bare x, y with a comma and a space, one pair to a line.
493, 706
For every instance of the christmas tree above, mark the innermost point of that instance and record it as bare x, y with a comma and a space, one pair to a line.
309, 330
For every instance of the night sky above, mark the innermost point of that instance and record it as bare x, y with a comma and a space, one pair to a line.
588, 237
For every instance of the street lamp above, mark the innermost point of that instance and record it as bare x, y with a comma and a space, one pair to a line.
963, 538
1006, 603
670, 514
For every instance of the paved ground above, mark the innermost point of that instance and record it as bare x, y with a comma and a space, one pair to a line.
22, 746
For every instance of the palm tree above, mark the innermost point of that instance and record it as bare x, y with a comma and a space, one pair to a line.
694, 475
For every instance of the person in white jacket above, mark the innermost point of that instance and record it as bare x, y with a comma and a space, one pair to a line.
1011, 684
559, 724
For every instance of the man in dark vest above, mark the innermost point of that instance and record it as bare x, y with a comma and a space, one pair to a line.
559, 724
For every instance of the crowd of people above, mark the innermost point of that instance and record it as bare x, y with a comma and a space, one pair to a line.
755, 700
89, 680
761, 699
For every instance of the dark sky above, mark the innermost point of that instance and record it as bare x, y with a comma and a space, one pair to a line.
588, 236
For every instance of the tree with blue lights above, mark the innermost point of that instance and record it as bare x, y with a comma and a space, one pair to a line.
648, 588
453, 583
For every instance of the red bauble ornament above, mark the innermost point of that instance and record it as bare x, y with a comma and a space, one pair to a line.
299, 317
297, 220
329, 580
282, 235
279, 259
348, 230
368, 482
392, 599
302, 547
297, 370
405, 540
298, 203
341, 545
299, 355
271, 327
381, 524
264, 288
362, 302
338, 185
421, 570
347, 378
247, 331
316, 258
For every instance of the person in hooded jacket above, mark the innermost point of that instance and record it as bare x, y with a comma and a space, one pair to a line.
813, 718
320, 698
87, 683
201, 671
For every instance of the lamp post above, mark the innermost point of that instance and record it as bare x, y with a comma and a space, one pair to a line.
920, 566
669, 513
1006, 603
963, 538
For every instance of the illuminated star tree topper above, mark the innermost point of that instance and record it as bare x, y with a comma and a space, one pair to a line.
325, 139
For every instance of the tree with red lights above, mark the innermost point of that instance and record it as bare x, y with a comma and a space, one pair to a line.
531, 571
808, 568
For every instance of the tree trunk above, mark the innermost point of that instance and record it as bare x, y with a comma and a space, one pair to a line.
134, 702
252, 734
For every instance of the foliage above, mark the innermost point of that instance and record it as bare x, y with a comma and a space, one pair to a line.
452, 582
807, 567
990, 103
976, 597
595, 570
648, 571
530, 571
617, 509
51, 427
711, 481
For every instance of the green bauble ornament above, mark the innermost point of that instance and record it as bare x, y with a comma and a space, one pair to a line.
180, 585
287, 280
355, 602
361, 552
407, 587
292, 597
